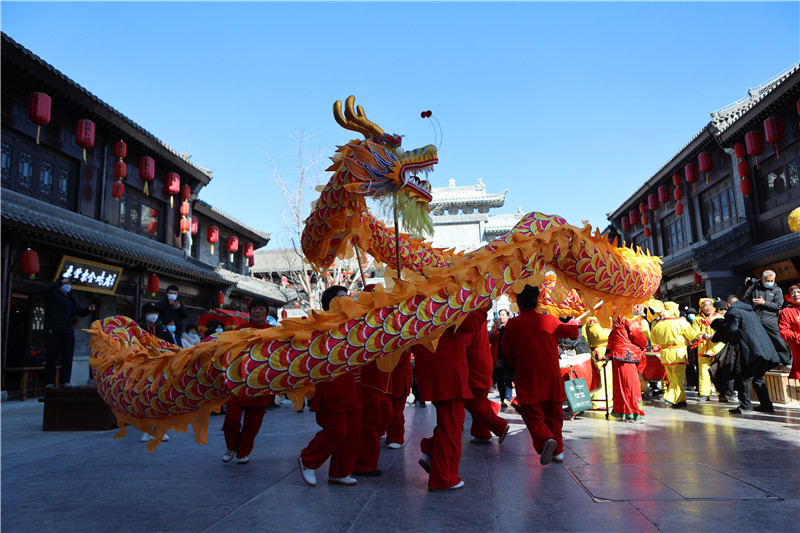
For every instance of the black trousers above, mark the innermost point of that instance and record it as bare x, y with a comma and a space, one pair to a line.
755, 376
62, 344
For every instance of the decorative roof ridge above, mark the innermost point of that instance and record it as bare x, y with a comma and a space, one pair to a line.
78, 86
263, 235
755, 94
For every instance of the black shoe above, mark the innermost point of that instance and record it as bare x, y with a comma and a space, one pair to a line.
739, 411
680, 404
705, 399
669, 404
370, 473
764, 409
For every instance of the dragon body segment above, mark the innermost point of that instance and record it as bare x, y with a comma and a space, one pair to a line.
154, 386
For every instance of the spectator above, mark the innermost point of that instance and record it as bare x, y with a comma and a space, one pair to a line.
755, 354
530, 346
151, 323
170, 335
767, 299
789, 327
171, 309
61, 312
241, 435
214, 326
503, 371
190, 336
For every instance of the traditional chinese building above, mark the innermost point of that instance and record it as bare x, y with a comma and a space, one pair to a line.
99, 198
717, 210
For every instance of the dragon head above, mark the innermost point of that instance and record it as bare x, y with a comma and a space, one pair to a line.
380, 167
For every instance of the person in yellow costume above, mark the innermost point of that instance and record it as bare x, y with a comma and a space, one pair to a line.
670, 335
597, 338
706, 350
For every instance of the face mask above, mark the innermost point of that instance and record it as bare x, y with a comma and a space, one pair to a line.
66, 288
171, 329
769, 284
690, 317
172, 297
194, 335
219, 330
152, 317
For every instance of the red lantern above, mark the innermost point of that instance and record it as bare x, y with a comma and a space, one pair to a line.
185, 225
232, 245
84, 135
645, 220
705, 163
626, 224
152, 227
691, 174
633, 216
677, 180
284, 281
755, 145
212, 236
284, 315
678, 195
698, 279
652, 202
185, 209
679, 209
152, 284
251, 262
220, 299
248, 249
117, 190
186, 192
173, 185
773, 131
39, 107
663, 195
120, 169
153, 213
647, 232
746, 187
743, 168
195, 225
740, 150
120, 149
643, 208
147, 171
30, 263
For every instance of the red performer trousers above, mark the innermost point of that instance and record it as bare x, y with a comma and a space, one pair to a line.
444, 448
396, 432
544, 421
338, 439
240, 436
376, 414
627, 390
484, 415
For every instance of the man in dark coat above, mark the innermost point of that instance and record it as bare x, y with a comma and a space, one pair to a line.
756, 354
61, 312
767, 299
170, 309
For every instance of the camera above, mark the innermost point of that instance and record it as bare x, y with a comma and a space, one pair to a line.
749, 281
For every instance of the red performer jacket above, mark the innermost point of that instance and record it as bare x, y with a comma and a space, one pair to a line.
626, 342
479, 355
530, 346
373, 378
402, 376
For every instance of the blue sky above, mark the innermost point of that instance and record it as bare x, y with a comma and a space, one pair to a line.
569, 106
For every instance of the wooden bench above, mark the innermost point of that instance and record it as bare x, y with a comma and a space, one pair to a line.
33, 373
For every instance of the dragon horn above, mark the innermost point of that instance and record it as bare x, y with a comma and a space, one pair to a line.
355, 120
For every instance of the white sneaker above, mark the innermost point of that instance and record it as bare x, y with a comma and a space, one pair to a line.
559, 458
346, 480
394, 445
165, 438
309, 474
457, 486
146, 437
228, 456
244, 460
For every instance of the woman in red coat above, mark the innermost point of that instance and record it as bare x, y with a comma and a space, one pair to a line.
530, 345
240, 435
626, 345
789, 327
337, 404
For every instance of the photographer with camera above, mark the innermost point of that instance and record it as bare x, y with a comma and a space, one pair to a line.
766, 298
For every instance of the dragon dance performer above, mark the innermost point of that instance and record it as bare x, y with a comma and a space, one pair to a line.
479, 360
337, 404
789, 327
240, 436
626, 344
402, 376
443, 379
670, 335
376, 415
530, 345
597, 337
706, 350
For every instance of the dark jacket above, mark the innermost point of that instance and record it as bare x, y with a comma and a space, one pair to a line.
744, 330
768, 312
158, 330
166, 314
61, 311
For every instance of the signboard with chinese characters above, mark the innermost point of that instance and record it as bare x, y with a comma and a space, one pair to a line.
783, 270
88, 275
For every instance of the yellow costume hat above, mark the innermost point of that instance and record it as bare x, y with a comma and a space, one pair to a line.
704, 300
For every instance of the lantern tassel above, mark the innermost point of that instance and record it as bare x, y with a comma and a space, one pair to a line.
171, 205
38, 128
777, 155
706, 179
758, 165
84, 155
145, 189
212, 248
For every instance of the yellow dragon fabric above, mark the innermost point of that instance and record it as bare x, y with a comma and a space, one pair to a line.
155, 386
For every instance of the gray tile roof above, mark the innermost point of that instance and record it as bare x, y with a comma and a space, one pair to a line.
465, 195
783, 247
261, 234
279, 260
258, 287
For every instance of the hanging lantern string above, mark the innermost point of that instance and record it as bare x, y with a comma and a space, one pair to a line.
360, 268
